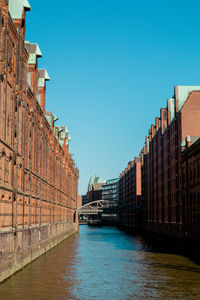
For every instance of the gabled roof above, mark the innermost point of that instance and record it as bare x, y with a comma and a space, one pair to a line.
34, 52
16, 8
182, 93
42, 73
34, 48
192, 139
95, 179
42, 77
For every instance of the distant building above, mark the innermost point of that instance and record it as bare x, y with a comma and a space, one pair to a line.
95, 188
110, 190
130, 195
84, 199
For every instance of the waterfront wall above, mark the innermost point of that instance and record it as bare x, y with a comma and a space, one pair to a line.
38, 177
169, 203
21, 247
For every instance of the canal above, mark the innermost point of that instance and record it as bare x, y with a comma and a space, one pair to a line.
105, 263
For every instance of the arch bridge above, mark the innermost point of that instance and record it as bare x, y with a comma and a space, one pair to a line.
96, 207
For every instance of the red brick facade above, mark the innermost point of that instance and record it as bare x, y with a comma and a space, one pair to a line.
162, 163
38, 178
95, 192
191, 190
130, 191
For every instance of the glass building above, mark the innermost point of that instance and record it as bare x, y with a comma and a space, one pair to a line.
110, 190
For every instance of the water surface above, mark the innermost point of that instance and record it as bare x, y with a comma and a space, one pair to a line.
105, 263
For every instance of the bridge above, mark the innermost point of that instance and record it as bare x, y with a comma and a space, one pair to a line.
96, 207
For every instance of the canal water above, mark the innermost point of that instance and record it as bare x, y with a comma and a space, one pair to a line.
105, 263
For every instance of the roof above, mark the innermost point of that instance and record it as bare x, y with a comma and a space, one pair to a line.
43, 76
16, 8
91, 180
95, 181
192, 146
182, 93
192, 139
33, 51
34, 48
112, 181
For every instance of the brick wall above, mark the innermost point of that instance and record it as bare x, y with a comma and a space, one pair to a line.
38, 177
166, 207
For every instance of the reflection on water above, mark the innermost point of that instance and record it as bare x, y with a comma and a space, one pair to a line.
105, 263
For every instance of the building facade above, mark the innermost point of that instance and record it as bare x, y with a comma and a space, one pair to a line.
163, 203
130, 195
110, 190
38, 177
84, 199
161, 165
95, 189
190, 177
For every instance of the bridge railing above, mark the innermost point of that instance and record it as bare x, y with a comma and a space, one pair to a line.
96, 207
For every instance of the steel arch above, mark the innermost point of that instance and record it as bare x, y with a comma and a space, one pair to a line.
95, 207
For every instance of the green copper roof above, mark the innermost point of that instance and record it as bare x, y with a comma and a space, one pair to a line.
182, 93
32, 59
42, 77
171, 108
49, 119
38, 51
16, 8
34, 52
183, 143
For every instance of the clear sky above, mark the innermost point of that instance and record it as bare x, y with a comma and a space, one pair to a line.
113, 64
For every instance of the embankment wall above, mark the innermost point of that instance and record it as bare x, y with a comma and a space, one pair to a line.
21, 247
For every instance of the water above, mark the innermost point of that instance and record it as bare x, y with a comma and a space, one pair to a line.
105, 263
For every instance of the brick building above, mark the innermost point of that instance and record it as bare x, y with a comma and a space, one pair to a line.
161, 163
190, 158
163, 203
38, 177
95, 189
130, 191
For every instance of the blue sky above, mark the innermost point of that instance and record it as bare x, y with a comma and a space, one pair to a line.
112, 65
